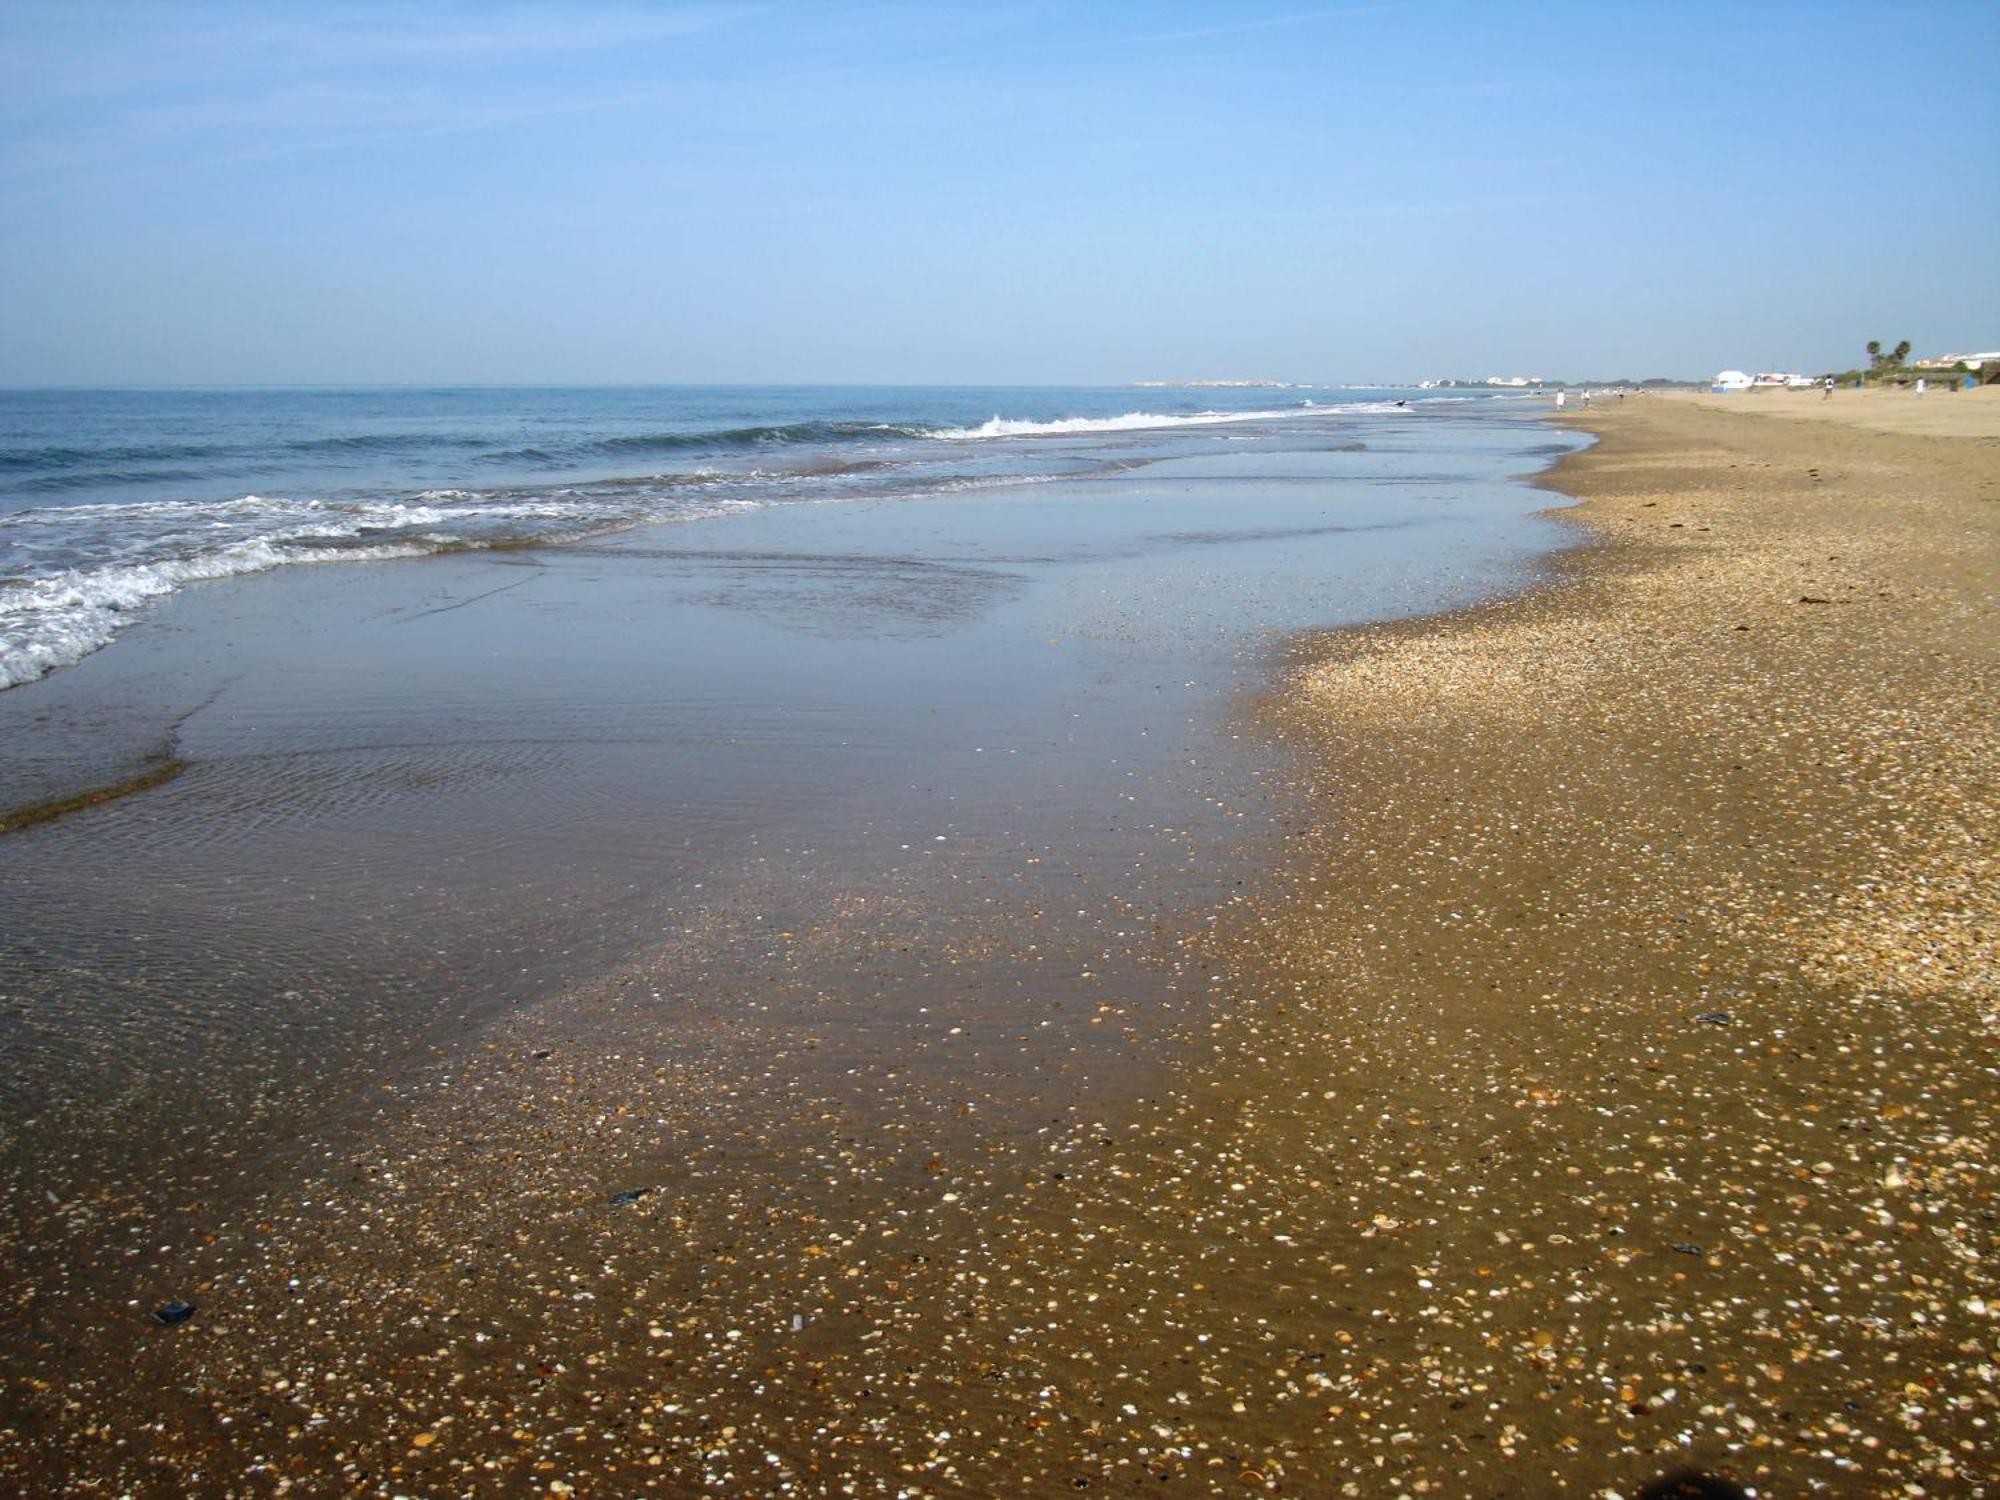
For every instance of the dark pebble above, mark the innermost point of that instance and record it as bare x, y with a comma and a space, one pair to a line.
1715, 1017
630, 1195
1687, 1249
171, 1313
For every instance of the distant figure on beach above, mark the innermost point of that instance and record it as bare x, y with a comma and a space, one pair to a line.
1559, 400
1826, 392
1920, 385
1586, 400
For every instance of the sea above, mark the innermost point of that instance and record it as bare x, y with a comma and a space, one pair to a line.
113, 499
893, 749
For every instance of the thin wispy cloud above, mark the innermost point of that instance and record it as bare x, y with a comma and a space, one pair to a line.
1471, 206
999, 44
1264, 23
253, 81
270, 189
318, 115
376, 34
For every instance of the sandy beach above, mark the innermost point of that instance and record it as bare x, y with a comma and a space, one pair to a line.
840, 752
1939, 412
772, 869
1597, 1081
1663, 1016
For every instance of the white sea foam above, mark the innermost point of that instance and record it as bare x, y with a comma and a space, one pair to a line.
70, 575
106, 561
989, 482
319, 517
56, 621
1131, 421
1140, 421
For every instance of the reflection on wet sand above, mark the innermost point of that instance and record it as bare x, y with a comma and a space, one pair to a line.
811, 876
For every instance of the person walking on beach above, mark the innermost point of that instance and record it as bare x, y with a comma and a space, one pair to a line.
1826, 391
1920, 385
1586, 400
1559, 400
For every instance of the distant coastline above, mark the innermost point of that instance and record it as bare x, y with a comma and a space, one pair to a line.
1218, 385
1497, 383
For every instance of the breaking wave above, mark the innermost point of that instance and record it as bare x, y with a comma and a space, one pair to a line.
47, 623
123, 556
69, 573
1131, 421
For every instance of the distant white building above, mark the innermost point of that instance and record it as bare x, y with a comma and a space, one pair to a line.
1731, 380
1959, 361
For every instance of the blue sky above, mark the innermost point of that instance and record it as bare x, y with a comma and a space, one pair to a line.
1006, 192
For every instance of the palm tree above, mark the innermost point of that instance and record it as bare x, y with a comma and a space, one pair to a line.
1874, 354
1902, 352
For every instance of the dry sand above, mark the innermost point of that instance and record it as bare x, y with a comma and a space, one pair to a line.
1939, 412
1605, 1085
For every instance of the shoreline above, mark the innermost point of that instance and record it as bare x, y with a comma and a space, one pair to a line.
27, 815
1444, 1176
964, 783
1604, 887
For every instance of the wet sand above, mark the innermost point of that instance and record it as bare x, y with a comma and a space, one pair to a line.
1603, 1082
778, 868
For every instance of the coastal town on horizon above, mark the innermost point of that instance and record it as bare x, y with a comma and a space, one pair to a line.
1891, 367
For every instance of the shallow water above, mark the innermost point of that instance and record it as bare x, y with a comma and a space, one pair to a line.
760, 861
112, 499
421, 795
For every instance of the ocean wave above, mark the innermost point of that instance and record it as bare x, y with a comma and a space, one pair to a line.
676, 479
66, 456
1131, 421
336, 517
382, 442
77, 480
774, 435
713, 439
960, 484
71, 574
55, 622
60, 469
116, 458
127, 555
